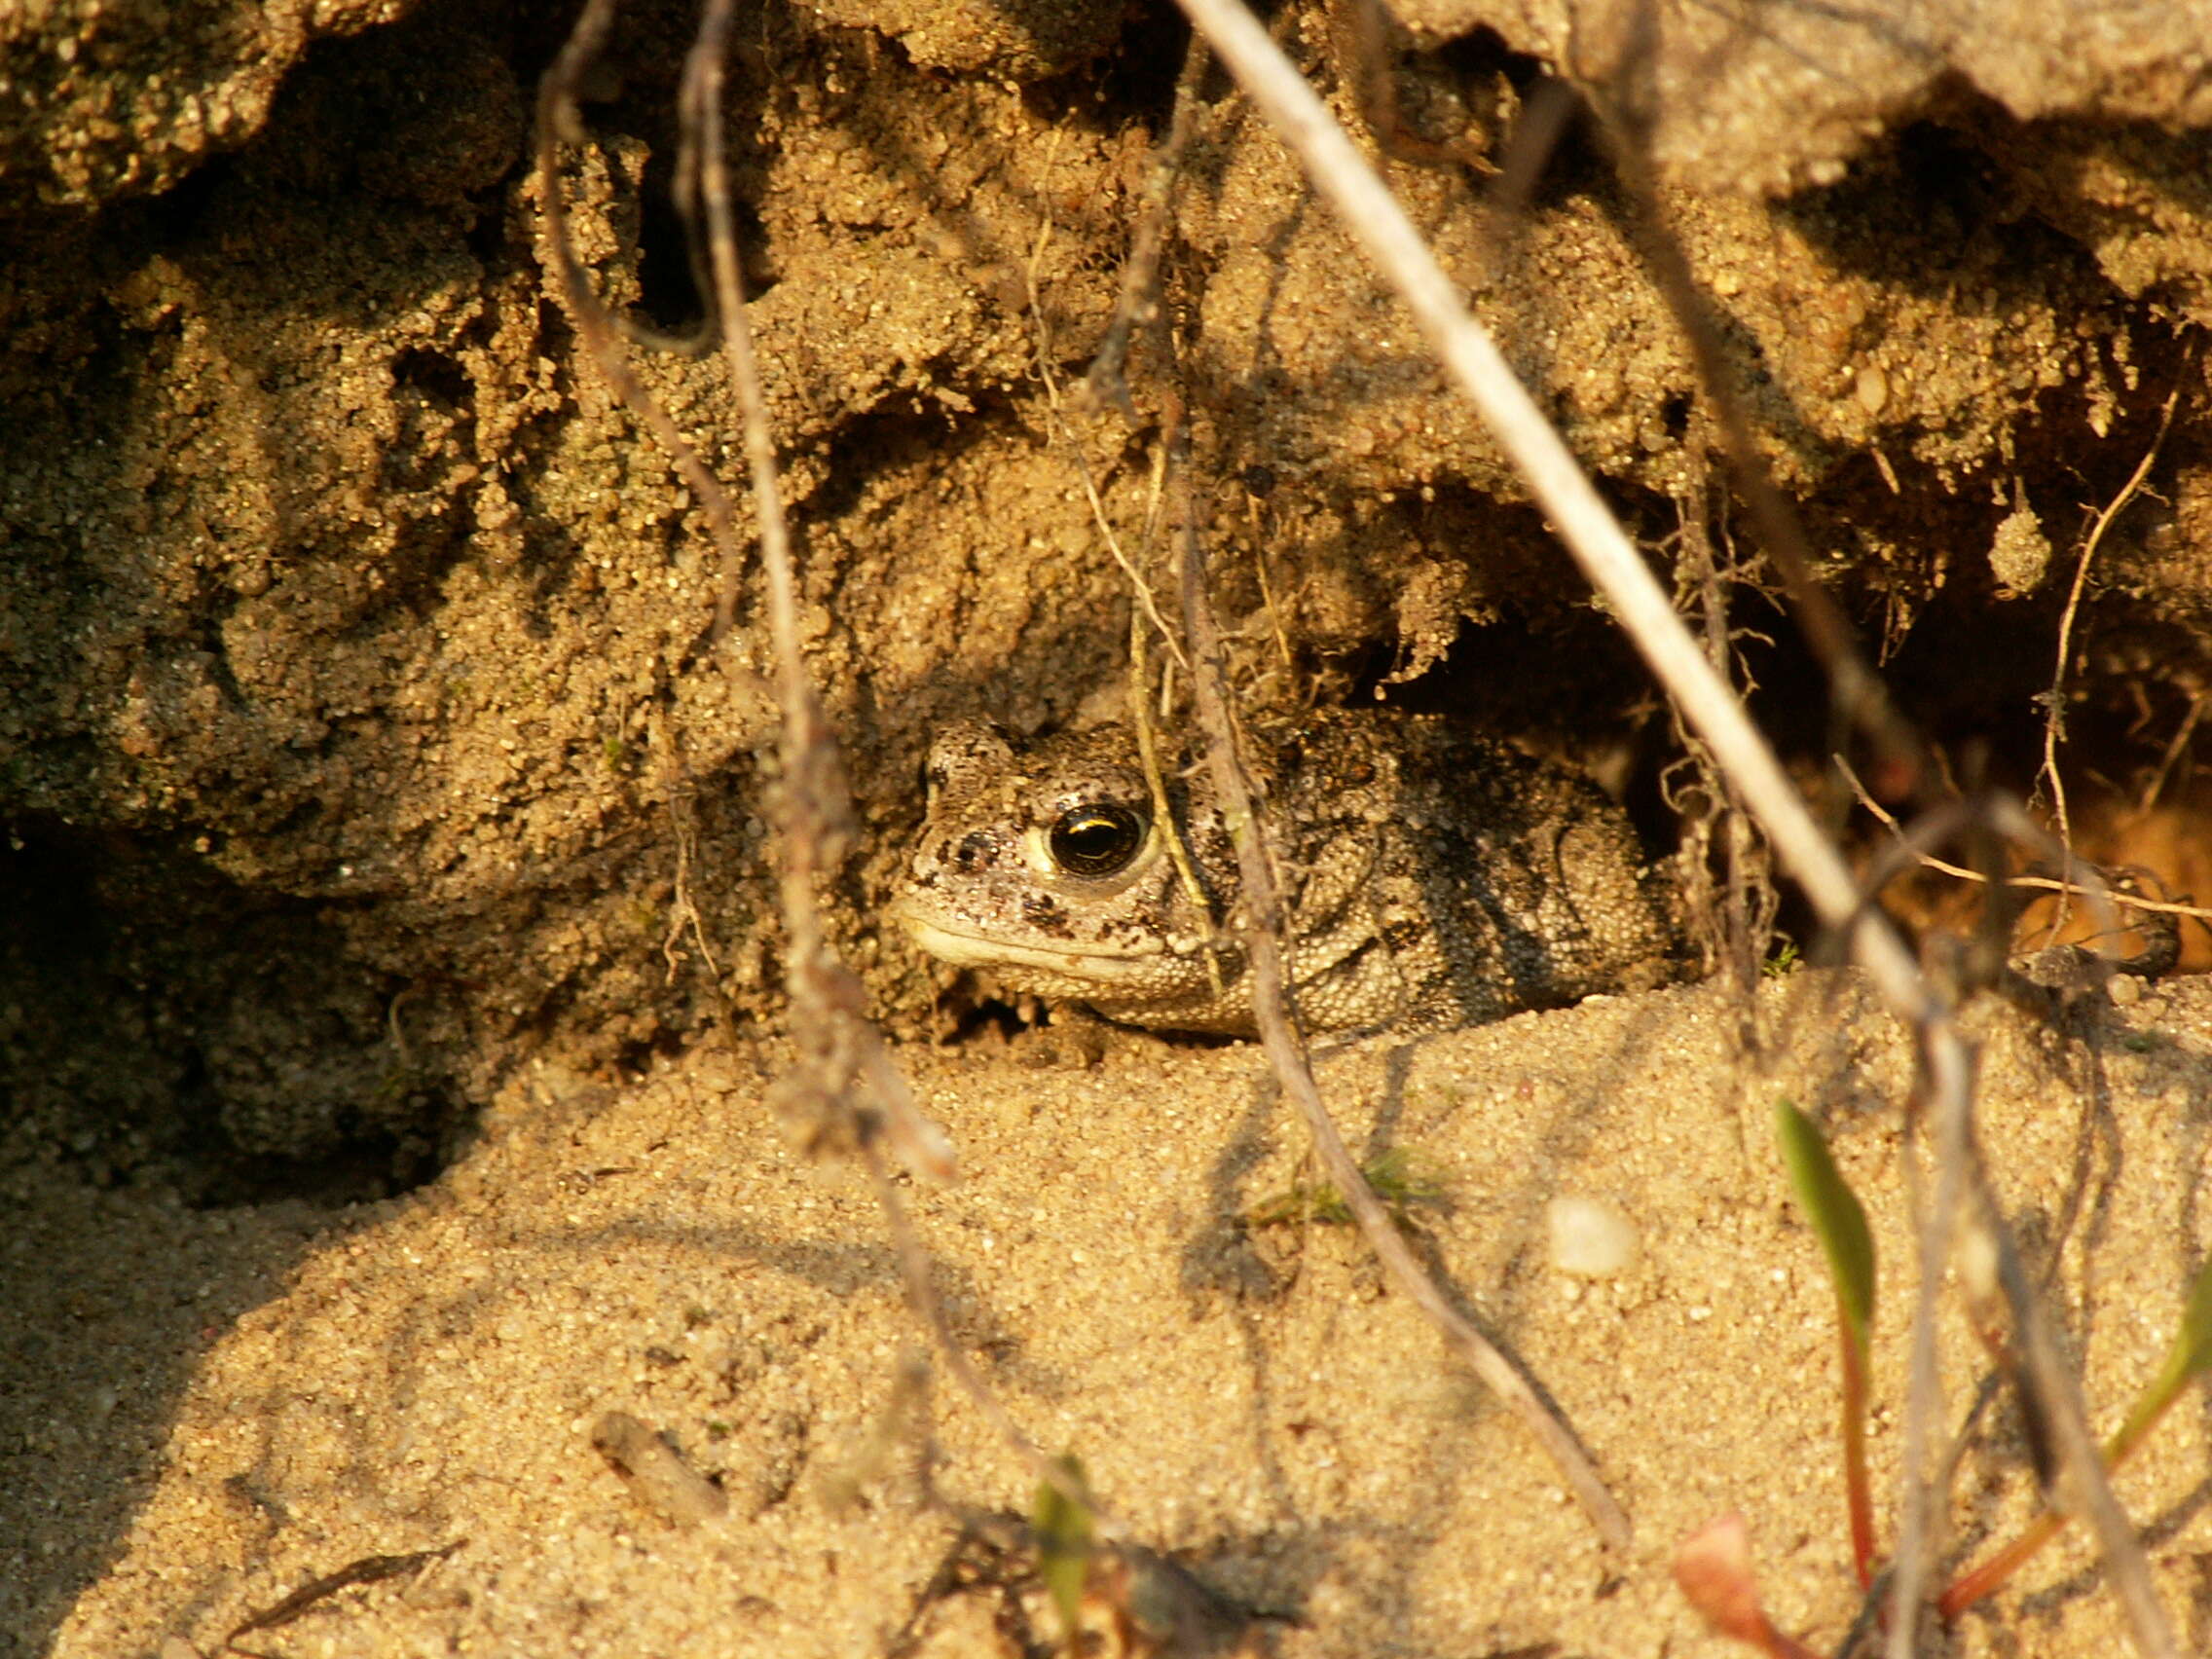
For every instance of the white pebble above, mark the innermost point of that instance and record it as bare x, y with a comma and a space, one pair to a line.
1590, 1238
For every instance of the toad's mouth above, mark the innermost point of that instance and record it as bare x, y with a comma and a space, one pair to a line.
981, 950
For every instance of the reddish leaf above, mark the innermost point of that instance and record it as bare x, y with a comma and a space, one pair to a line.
1714, 1568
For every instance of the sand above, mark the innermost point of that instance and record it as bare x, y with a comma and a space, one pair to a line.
218, 1407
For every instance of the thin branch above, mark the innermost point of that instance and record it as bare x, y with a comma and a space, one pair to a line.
2176, 746
1106, 370
559, 121
1364, 36
1264, 933
1556, 481
369, 1569
1053, 402
1611, 563
1741, 919
1138, 303
826, 1018
840, 1053
1858, 693
1163, 810
914, 1259
2054, 705
2025, 883
1943, 1095
683, 906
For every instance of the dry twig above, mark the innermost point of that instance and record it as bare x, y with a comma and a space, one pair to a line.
1740, 917
369, 1569
1364, 31
2054, 700
842, 1057
1858, 693
1612, 562
1138, 303
1058, 406
2023, 883
1264, 935
2176, 746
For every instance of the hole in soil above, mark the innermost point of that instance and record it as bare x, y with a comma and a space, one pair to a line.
157, 1023
436, 375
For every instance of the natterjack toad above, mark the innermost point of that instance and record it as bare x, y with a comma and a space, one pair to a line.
1434, 879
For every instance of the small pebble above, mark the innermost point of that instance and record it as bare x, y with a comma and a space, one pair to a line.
1590, 1238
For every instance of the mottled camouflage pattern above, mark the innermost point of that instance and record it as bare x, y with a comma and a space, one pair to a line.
1434, 879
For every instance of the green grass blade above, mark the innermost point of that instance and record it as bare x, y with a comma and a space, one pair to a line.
1837, 1218
2190, 1357
1062, 1531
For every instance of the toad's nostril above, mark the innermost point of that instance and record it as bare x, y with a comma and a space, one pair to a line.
974, 849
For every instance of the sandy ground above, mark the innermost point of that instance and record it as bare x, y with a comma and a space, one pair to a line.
202, 1411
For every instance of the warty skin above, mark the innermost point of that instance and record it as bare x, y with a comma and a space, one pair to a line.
1433, 878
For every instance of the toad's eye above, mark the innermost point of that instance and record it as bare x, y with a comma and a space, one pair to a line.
1097, 840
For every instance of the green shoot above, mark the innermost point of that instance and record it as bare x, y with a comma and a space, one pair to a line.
2187, 1357
1401, 1179
1062, 1531
1839, 1222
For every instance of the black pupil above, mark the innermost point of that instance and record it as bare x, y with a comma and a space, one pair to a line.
1097, 840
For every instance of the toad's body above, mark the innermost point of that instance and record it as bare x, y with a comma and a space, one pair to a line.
1433, 879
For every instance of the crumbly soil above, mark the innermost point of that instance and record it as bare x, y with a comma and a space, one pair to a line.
365, 763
